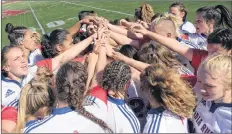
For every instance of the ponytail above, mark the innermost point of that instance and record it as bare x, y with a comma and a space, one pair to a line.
220, 14
48, 50
15, 34
226, 16
34, 95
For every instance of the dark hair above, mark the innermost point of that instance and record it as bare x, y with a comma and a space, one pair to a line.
5, 50
115, 76
83, 14
128, 51
48, 44
220, 14
221, 36
154, 53
15, 34
70, 85
156, 16
181, 7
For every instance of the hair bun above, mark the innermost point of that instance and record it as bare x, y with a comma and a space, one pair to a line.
9, 28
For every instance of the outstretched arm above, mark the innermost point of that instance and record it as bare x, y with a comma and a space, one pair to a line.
173, 44
71, 52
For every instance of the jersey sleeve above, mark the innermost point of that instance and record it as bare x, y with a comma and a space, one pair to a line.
45, 63
99, 93
9, 113
198, 56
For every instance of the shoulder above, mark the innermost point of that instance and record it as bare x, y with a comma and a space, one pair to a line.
31, 125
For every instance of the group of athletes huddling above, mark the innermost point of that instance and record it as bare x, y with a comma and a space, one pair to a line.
156, 74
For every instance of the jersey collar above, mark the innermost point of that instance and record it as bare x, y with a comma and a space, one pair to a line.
116, 101
13, 81
214, 106
156, 110
63, 110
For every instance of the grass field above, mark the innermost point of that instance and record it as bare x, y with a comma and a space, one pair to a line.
66, 11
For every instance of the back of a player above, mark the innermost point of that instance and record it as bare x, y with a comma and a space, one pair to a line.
63, 120
120, 117
163, 121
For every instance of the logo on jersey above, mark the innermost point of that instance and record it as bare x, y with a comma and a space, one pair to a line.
9, 92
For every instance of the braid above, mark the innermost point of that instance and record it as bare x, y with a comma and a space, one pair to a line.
116, 75
147, 13
81, 110
47, 48
70, 82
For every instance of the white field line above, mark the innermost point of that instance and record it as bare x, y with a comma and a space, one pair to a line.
98, 8
43, 32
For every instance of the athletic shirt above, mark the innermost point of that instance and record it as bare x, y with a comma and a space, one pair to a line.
34, 57
31, 74
121, 118
200, 40
9, 113
210, 117
160, 120
138, 103
187, 27
197, 58
66, 120
10, 93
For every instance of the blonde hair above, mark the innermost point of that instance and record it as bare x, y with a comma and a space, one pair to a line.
166, 16
35, 95
219, 63
147, 13
169, 90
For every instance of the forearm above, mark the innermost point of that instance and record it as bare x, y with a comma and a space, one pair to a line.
172, 44
134, 63
71, 53
117, 29
74, 29
90, 70
122, 39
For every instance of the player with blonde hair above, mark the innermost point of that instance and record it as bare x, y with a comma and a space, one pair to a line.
213, 112
171, 99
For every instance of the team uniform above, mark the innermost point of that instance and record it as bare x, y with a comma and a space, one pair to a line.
34, 57
187, 27
48, 63
66, 120
10, 93
199, 40
198, 57
138, 103
10, 114
210, 117
160, 120
121, 118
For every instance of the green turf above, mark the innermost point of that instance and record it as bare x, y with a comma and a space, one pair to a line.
48, 11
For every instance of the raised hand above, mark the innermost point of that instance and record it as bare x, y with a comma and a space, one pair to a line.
138, 28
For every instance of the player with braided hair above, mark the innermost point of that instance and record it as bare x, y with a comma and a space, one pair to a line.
144, 13
116, 78
72, 105
171, 99
27, 40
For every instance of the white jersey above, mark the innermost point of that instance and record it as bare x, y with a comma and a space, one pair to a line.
121, 118
136, 101
210, 117
160, 120
11, 90
63, 120
187, 27
34, 57
31, 74
199, 40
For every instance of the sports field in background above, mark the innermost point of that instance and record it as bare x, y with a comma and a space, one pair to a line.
55, 14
